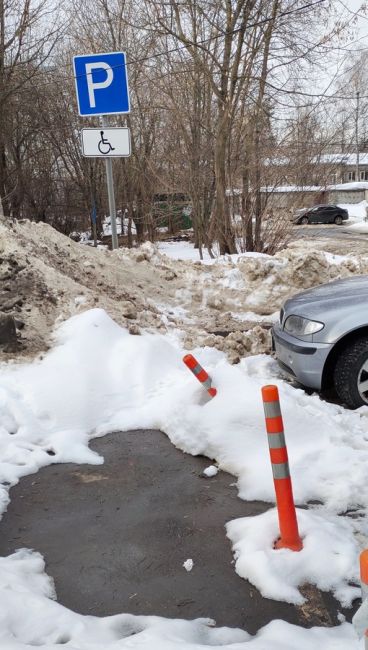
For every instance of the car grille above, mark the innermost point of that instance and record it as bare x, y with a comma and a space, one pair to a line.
281, 316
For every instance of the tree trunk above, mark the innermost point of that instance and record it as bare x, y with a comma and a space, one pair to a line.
2, 108
139, 224
222, 222
258, 198
130, 238
246, 209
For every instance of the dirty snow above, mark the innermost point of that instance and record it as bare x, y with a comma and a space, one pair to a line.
114, 379
229, 304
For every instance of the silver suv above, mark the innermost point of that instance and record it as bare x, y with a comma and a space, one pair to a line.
322, 338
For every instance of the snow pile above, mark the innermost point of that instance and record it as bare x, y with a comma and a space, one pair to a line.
357, 211
112, 380
142, 382
359, 227
270, 281
29, 617
328, 557
228, 305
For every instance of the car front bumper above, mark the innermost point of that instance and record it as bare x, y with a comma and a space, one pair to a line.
301, 360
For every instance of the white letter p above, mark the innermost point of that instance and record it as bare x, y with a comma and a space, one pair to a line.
92, 86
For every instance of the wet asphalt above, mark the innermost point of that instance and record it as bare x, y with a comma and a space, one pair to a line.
115, 537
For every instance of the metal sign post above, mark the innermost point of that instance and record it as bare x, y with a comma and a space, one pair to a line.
94, 224
111, 195
102, 89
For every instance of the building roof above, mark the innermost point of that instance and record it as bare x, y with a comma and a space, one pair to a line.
359, 185
342, 158
346, 159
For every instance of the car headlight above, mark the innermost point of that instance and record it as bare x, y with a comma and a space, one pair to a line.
299, 326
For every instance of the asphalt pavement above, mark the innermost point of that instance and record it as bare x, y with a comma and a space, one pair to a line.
329, 230
115, 537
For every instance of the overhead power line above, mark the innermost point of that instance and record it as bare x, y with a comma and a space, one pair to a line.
191, 43
258, 23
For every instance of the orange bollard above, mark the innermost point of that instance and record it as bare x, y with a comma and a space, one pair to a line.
289, 532
200, 373
363, 561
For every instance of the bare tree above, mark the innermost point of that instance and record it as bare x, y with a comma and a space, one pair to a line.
26, 43
223, 40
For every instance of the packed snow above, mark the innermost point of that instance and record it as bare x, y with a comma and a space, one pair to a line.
124, 371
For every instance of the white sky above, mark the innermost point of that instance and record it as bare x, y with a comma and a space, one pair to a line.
362, 21
324, 78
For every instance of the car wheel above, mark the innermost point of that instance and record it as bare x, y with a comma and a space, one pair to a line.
304, 220
338, 220
351, 374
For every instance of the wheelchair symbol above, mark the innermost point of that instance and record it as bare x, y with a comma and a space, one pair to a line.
104, 145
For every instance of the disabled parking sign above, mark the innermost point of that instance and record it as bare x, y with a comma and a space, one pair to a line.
102, 84
106, 142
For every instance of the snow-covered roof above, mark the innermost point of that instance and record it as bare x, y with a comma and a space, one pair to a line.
293, 188
342, 187
342, 158
235, 191
346, 159
358, 185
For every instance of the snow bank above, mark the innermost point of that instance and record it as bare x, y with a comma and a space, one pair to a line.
29, 617
112, 380
328, 558
99, 378
360, 226
357, 211
227, 304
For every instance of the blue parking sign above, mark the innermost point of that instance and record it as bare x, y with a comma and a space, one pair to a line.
102, 83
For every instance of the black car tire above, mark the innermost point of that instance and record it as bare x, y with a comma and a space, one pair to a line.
304, 220
338, 220
348, 370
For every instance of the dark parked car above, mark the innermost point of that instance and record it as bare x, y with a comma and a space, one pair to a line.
321, 214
